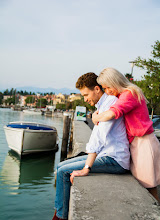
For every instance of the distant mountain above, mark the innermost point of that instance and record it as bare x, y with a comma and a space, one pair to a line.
46, 90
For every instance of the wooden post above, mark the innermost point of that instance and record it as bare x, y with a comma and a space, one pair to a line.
71, 138
66, 129
71, 133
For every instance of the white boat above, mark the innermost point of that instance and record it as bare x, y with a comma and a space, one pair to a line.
30, 137
32, 111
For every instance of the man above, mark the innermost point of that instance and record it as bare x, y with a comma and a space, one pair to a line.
108, 147
107, 138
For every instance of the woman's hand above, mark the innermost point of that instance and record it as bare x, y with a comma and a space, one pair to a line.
95, 118
83, 172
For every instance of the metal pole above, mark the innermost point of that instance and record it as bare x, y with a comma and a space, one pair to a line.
132, 65
132, 70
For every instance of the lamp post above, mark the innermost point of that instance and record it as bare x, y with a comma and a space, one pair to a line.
132, 65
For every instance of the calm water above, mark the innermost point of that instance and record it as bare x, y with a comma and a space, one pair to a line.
27, 186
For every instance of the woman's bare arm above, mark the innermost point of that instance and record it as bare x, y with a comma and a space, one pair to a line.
104, 116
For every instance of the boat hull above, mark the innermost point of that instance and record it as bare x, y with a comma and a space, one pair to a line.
32, 112
14, 139
26, 141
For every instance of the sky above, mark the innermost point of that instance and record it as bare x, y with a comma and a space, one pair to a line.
50, 43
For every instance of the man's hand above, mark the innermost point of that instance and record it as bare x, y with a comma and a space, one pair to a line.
95, 118
83, 172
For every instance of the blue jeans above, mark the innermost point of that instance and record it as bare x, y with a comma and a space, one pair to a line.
101, 165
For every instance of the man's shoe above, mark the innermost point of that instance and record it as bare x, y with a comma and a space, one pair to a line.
55, 217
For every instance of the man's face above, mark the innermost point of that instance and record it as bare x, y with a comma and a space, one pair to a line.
90, 96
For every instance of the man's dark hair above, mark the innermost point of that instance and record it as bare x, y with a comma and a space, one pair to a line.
88, 80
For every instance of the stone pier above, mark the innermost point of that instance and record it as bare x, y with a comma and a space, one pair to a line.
107, 196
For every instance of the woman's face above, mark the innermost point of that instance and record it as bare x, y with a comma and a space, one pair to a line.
110, 91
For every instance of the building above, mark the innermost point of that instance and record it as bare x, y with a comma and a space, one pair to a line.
59, 99
74, 97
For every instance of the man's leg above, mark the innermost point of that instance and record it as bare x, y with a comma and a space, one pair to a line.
63, 183
107, 165
72, 160
101, 165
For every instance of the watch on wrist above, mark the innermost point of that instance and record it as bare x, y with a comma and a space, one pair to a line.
87, 167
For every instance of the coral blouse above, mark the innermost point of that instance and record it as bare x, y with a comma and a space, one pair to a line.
136, 115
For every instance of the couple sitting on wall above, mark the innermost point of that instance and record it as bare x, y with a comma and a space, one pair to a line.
113, 138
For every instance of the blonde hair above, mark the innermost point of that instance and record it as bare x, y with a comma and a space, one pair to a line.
111, 77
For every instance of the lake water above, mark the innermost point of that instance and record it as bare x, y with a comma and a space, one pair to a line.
27, 190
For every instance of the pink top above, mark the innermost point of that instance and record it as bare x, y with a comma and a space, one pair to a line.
136, 115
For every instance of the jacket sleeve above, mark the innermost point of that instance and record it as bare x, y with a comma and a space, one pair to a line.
126, 103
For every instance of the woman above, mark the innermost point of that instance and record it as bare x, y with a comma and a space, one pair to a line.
144, 146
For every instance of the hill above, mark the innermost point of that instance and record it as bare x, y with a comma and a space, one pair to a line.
66, 91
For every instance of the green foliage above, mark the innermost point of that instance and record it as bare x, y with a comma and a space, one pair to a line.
14, 91
6, 92
46, 93
150, 83
72, 105
41, 103
129, 76
25, 93
82, 103
11, 100
69, 105
30, 99
1, 97
61, 106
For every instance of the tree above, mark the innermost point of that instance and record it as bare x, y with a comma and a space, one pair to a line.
25, 93
1, 97
41, 103
30, 99
150, 83
6, 92
12, 91
82, 103
129, 76
69, 105
10, 101
21, 92
61, 106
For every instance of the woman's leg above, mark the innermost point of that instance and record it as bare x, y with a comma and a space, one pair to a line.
101, 165
145, 167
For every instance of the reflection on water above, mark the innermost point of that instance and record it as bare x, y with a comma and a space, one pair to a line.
27, 185
10, 172
27, 172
